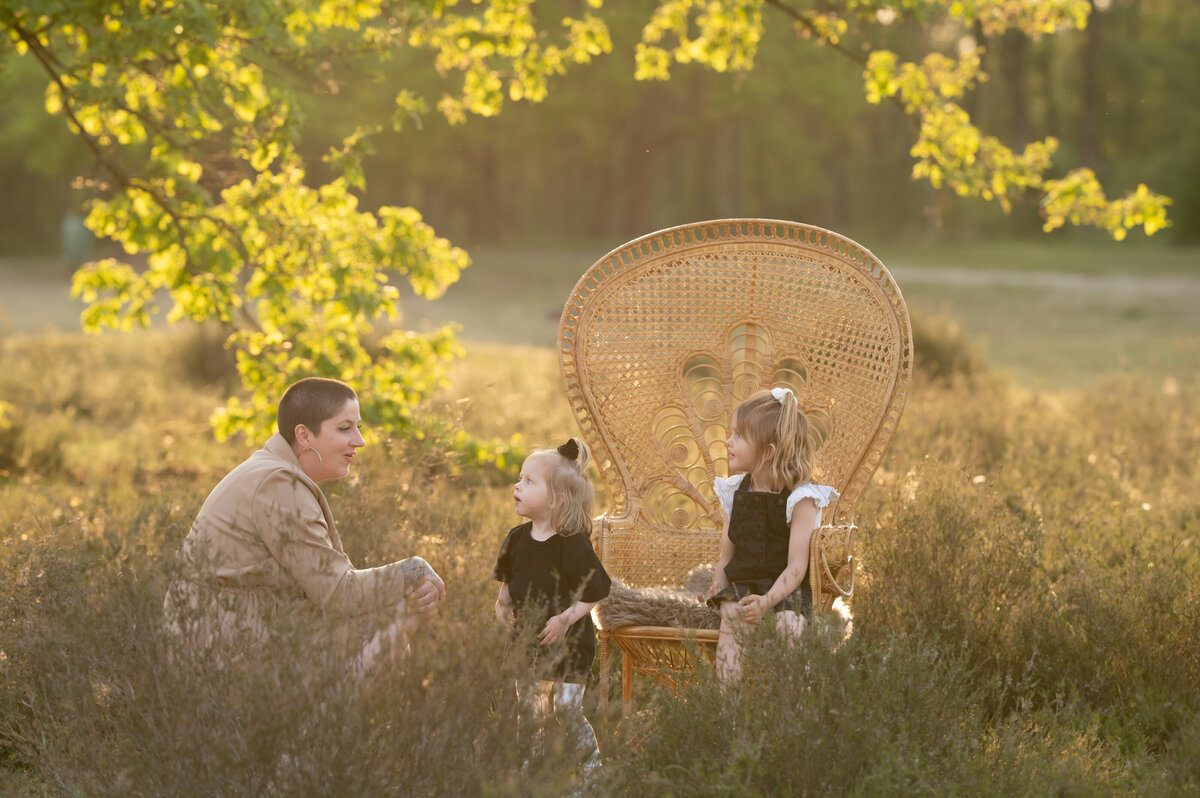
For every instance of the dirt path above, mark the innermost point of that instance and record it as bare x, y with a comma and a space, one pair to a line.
1057, 281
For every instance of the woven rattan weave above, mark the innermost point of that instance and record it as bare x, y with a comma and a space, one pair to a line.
665, 335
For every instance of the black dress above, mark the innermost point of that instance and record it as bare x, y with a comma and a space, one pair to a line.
761, 534
544, 578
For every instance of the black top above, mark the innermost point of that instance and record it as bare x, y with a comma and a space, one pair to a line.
544, 578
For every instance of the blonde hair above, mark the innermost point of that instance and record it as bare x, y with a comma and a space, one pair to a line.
766, 421
571, 493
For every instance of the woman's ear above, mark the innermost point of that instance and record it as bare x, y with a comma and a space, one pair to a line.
302, 434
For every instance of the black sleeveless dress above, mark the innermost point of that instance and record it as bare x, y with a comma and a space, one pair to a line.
760, 533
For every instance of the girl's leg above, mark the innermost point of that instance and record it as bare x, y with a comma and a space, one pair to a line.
790, 623
568, 707
533, 709
728, 667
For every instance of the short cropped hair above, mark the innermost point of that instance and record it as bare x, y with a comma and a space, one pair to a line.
311, 401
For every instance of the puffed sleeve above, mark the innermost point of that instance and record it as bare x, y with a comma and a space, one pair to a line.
725, 488
292, 526
821, 494
504, 561
583, 567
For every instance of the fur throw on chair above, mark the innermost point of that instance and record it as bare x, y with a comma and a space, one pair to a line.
677, 607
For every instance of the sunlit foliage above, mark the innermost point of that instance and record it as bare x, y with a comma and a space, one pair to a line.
191, 112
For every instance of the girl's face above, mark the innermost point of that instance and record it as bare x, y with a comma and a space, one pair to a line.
743, 454
531, 494
336, 444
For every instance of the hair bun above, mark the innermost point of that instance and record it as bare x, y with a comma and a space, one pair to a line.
569, 450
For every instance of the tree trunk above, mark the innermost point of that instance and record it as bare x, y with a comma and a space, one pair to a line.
728, 160
1089, 115
1014, 49
971, 102
639, 162
484, 197
1045, 67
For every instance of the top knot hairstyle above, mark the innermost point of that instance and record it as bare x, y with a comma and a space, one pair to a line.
311, 402
774, 418
571, 493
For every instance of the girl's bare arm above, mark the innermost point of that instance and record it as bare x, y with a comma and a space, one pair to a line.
804, 517
504, 611
556, 628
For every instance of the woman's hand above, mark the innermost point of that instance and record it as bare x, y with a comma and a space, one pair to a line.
427, 593
554, 630
425, 589
753, 608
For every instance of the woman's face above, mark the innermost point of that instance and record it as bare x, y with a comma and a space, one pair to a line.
336, 444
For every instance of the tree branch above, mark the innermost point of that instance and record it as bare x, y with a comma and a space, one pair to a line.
802, 19
49, 63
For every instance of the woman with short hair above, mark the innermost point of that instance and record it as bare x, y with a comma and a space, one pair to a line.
264, 550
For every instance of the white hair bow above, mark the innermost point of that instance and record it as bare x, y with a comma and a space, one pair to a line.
779, 393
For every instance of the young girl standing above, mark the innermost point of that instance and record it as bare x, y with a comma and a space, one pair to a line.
550, 579
771, 510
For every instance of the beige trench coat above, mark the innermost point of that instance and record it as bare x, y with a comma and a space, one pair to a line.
264, 551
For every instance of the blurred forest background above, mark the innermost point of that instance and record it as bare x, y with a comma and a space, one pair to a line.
1029, 573
605, 158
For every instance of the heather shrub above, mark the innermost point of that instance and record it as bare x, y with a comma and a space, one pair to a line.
97, 701
889, 716
203, 359
941, 350
31, 448
1025, 618
953, 565
1051, 541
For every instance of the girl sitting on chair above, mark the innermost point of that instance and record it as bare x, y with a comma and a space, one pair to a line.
771, 510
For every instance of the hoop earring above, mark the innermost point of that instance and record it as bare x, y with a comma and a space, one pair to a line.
320, 459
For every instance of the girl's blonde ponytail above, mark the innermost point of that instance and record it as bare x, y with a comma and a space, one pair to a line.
774, 418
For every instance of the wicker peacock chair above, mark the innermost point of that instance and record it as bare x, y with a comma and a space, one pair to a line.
665, 335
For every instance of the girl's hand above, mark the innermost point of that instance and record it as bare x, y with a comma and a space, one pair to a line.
504, 614
554, 631
753, 608
719, 583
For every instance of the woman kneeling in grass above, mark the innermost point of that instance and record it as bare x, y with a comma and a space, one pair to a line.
264, 553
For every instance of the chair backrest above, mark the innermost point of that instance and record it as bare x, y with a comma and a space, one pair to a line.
664, 336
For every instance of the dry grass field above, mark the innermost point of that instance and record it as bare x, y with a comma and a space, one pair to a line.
1027, 606
1051, 314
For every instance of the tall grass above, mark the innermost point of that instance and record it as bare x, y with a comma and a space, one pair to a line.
1025, 621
